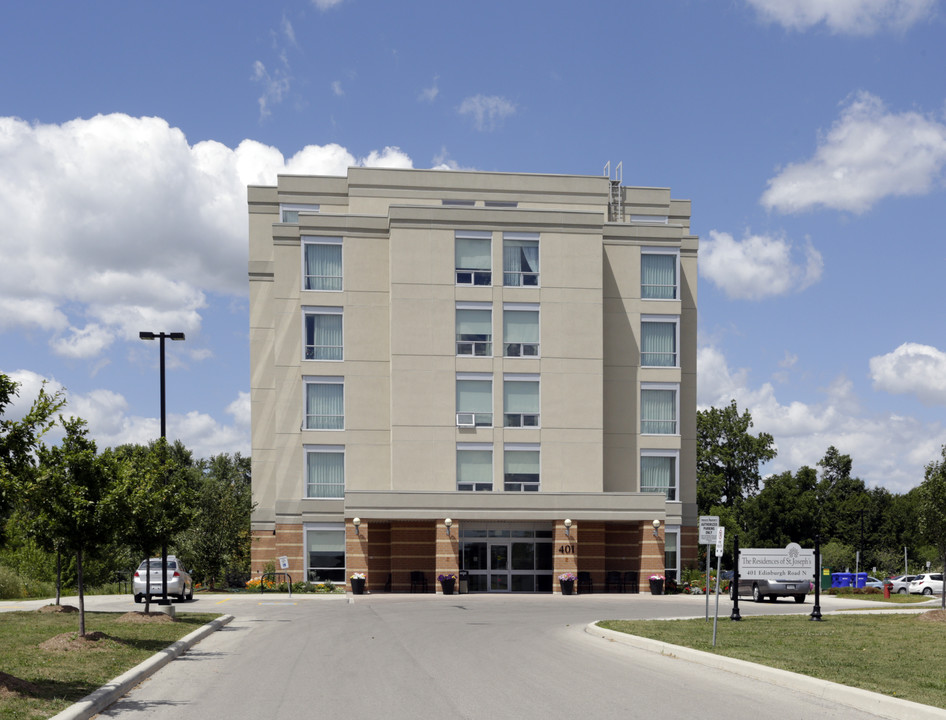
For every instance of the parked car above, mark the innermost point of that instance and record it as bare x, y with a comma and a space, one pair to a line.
874, 583
760, 588
901, 584
180, 584
927, 584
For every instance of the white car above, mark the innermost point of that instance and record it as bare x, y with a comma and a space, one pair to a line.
927, 584
901, 584
180, 584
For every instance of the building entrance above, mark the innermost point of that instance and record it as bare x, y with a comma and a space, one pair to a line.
507, 557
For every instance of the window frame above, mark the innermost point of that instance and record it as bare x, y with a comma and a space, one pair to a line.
524, 486
315, 450
675, 387
309, 240
484, 275
476, 447
523, 307
311, 310
676, 272
522, 237
462, 413
667, 320
674, 485
297, 208
534, 418
312, 573
672, 572
474, 344
321, 380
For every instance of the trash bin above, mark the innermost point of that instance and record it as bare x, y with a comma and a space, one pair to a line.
464, 582
827, 579
860, 579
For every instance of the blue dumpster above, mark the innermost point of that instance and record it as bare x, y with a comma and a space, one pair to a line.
845, 579
860, 579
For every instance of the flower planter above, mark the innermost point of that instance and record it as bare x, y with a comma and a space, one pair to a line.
448, 586
568, 586
656, 587
358, 586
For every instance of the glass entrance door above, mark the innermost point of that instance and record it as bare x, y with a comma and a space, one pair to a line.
503, 557
498, 566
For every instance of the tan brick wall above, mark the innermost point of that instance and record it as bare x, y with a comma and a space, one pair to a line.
356, 550
412, 548
448, 552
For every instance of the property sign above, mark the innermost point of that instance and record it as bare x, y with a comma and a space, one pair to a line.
788, 563
708, 526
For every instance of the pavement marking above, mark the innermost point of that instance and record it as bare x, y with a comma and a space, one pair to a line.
275, 603
222, 601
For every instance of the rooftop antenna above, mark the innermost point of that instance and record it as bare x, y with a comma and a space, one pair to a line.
616, 196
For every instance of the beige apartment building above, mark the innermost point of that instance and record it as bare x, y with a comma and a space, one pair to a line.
492, 373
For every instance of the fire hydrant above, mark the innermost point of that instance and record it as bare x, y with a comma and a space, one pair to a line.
886, 591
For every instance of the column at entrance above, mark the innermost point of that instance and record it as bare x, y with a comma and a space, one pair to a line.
448, 553
652, 552
564, 552
356, 550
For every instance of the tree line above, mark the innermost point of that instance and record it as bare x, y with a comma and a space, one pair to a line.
82, 517
824, 502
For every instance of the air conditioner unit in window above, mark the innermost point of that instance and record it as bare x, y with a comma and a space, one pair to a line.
466, 420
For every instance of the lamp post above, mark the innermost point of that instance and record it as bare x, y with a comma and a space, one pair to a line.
161, 336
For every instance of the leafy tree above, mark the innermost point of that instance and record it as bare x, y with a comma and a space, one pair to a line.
932, 509
783, 511
728, 457
219, 539
70, 499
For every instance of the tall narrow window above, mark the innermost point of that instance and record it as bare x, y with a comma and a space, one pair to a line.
658, 275
658, 409
474, 467
520, 330
325, 552
474, 260
671, 553
475, 329
521, 468
520, 259
324, 403
325, 471
521, 400
658, 341
474, 400
322, 265
323, 333
659, 472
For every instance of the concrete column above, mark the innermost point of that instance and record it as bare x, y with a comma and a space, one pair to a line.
564, 553
356, 552
448, 553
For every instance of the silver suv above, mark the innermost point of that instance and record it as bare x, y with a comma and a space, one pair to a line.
180, 584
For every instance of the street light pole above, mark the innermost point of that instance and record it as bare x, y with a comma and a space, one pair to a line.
161, 336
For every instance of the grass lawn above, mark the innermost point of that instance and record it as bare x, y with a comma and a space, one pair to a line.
898, 655
60, 675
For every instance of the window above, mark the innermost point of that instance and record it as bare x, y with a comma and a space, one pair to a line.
521, 468
459, 203
324, 471
659, 274
658, 409
473, 254
322, 264
290, 213
323, 333
520, 259
659, 341
520, 330
325, 552
474, 467
659, 472
324, 403
474, 400
500, 203
521, 400
671, 554
475, 329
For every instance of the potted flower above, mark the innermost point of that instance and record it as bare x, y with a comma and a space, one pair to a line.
657, 584
567, 581
447, 581
358, 583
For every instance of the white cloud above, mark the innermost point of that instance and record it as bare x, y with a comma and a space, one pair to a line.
487, 111
868, 154
337, 88
845, 17
326, 4
758, 266
430, 94
275, 87
912, 369
114, 224
887, 449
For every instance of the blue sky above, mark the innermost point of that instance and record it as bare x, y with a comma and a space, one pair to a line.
810, 136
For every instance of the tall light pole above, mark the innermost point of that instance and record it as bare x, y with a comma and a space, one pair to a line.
144, 335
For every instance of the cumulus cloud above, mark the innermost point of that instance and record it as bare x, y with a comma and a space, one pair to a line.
912, 369
887, 449
845, 17
758, 266
113, 224
868, 154
487, 111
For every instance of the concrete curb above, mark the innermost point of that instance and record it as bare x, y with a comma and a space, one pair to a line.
110, 692
863, 700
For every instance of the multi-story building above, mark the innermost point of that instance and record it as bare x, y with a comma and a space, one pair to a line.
489, 372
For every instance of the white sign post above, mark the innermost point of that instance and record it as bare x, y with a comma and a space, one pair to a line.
708, 527
720, 537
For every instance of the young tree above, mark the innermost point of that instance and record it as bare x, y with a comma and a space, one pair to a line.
932, 510
728, 457
69, 499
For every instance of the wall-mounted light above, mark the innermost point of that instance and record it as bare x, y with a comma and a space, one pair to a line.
448, 523
568, 527
356, 522
656, 525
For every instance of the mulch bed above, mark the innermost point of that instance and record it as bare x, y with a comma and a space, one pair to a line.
72, 641
58, 609
934, 616
14, 687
